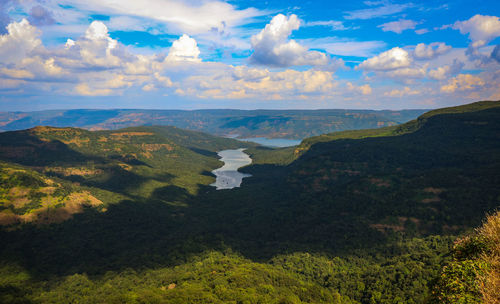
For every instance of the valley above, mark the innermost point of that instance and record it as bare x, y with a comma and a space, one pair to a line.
364, 216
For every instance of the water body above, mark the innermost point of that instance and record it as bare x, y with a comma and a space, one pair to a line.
228, 177
273, 142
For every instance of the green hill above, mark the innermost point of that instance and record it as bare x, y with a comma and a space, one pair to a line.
48, 171
360, 217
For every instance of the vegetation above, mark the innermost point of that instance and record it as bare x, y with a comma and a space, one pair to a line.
473, 275
360, 218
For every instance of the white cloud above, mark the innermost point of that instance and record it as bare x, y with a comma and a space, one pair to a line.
192, 17
421, 31
96, 49
406, 91
389, 60
85, 90
333, 24
244, 82
386, 9
423, 51
249, 74
413, 72
272, 46
21, 39
481, 29
365, 89
398, 26
184, 49
446, 71
463, 82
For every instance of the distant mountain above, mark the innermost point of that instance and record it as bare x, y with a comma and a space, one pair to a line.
296, 124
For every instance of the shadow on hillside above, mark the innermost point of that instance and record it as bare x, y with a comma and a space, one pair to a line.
26, 149
203, 152
139, 235
13, 294
272, 214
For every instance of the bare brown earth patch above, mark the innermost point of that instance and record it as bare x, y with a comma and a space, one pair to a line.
75, 171
156, 147
120, 135
77, 141
434, 199
384, 227
53, 209
395, 227
379, 182
433, 190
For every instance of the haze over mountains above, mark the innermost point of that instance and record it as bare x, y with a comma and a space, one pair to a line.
293, 124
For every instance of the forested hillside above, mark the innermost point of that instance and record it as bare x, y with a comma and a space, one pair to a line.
50, 173
352, 218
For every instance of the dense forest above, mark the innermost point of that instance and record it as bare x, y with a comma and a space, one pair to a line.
373, 216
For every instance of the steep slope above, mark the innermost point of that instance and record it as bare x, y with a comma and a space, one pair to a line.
47, 168
437, 177
408, 127
473, 275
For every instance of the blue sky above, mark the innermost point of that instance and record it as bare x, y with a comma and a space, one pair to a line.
170, 54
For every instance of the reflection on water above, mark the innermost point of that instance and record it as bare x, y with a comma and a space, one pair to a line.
228, 177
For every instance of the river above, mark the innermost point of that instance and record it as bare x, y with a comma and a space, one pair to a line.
227, 176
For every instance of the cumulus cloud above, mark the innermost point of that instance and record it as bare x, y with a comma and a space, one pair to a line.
406, 91
96, 49
249, 74
389, 60
481, 29
463, 82
273, 47
446, 71
398, 26
184, 49
95, 64
404, 73
365, 89
423, 51
21, 39
244, 82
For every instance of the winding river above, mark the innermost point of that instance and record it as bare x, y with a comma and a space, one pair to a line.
228, 177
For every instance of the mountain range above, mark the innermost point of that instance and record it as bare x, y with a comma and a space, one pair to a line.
293, 124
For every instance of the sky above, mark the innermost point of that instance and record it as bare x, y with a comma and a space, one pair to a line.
207, 54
